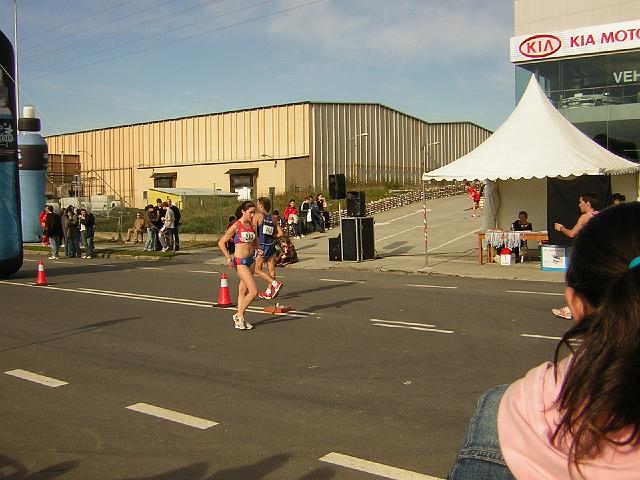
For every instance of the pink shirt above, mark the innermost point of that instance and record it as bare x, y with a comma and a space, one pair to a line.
526, 421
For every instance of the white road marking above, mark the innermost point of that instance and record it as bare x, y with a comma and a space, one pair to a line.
203, 271
454, 240
402, 323
412, 328
374, 468
336, 280
429, 286
173, 416
105, 264
398, 233
150, 268
531, 335
536, 293
398, 218
29, 260
152, 298
34, 377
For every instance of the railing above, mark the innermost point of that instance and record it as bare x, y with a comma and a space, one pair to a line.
401, 200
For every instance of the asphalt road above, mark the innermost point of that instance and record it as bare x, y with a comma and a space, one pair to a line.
382, 367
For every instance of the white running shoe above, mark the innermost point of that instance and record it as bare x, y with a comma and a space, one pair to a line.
240, 324
275, 288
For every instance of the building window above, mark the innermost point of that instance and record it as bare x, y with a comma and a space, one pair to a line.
239, 181
165, 181
598, 94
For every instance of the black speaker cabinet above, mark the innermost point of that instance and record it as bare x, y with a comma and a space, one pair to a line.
335, 249
357, 239
337, 186
355, 204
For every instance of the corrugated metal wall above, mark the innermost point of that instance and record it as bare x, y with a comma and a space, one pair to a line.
373, 143
278, 131
366, 142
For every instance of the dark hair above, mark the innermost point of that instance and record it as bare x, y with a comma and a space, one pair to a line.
232, 218
601, 391
618, 196
276, 212
522, 212
266, 203
591, 198
244, 206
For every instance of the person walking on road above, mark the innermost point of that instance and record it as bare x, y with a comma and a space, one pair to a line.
243, 260
53, 230
268, 233
587, 210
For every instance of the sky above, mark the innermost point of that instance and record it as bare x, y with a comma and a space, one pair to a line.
88, 64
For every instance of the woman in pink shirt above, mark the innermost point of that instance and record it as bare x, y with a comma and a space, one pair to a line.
578, 417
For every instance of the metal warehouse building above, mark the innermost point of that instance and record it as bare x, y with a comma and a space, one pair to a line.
277, 148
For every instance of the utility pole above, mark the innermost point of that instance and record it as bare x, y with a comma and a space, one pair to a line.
425, 164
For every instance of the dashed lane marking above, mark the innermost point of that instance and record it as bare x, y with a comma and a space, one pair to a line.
336, 280
154, 298
35, 378
104, 265
402, 323
173, 416
536, 293
150, 268
532, 335
204, 271
423, 327
429, 286
374, 468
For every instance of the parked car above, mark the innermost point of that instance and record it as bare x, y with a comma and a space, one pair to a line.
589, 100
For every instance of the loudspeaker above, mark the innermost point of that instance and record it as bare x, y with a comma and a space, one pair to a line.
337, 186
357, 239
335, 249
355, 204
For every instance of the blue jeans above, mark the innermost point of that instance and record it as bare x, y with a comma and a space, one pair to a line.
89, 245
152, 239
479, 457
54, 243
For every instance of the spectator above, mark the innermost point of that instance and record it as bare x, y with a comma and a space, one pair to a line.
53, 230
287, 253
151, 222
617, 198
166, 232
316, 217
71, 232
292, 217
176, 224
577, 417
305, 215
87, 231
323, 207
138, 229
43, 220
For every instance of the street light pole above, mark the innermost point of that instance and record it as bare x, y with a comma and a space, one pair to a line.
355, 144
425, 148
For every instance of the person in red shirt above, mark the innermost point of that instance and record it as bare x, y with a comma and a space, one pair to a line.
43, 220
295, 220
474, 195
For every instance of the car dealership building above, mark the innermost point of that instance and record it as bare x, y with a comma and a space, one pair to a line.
586, 56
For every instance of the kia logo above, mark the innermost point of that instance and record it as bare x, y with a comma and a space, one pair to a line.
540, 46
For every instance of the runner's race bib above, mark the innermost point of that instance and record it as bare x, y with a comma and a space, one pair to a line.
267, 229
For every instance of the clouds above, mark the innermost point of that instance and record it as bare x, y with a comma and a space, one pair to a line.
400, 30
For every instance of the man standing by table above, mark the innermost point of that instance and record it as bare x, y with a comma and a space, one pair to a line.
587, 210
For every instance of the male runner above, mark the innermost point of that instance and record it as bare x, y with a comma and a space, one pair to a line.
268, 233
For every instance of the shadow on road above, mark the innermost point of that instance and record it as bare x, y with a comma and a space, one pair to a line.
11, 469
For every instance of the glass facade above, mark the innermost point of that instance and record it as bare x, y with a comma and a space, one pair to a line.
600, 95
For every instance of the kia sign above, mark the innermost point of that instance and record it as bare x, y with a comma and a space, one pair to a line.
540, 46
578, 41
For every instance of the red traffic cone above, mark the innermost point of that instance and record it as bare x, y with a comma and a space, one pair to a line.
224, 300
41, 279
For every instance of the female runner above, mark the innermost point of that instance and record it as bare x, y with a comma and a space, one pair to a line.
243, 259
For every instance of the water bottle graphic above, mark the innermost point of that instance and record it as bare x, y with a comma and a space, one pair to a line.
10, 225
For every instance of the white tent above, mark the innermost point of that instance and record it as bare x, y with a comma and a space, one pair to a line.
535, 142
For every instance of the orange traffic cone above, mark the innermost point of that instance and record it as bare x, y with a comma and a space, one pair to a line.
41, 279
224, 300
